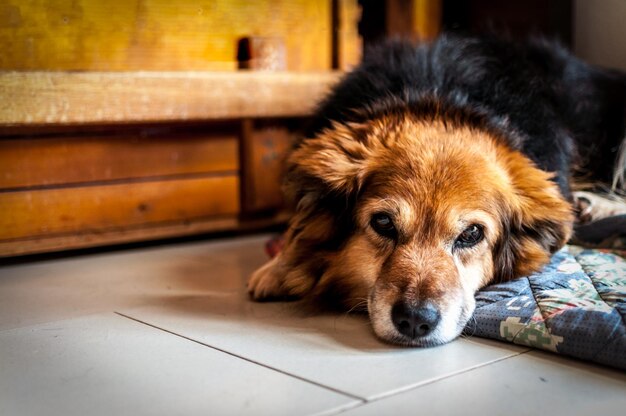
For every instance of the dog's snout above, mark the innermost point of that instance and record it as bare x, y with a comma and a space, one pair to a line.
414, 322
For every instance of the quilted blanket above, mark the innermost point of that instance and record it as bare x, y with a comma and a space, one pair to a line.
575, 306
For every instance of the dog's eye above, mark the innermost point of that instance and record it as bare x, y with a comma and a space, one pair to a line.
471, 236
382, 224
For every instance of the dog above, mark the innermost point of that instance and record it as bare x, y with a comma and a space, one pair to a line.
433, 170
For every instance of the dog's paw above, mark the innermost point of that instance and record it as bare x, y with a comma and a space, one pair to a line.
265, 283
592, 207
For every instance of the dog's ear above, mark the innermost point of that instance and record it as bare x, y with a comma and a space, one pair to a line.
536, 221
323, 175
334, 162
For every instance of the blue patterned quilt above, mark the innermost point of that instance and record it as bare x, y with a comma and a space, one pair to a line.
576, 306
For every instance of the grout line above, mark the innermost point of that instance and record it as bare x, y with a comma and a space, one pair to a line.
352, 396
425, 383
361, 400
341, 409
345, 409
441, 378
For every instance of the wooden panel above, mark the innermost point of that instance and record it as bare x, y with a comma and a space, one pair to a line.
88, 238
53, 98
414, 19
70, 210
157, 34
427, 19
52, 161
350, 44
264, 148
399, 18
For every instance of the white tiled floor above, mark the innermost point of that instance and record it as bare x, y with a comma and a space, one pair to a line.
169, 330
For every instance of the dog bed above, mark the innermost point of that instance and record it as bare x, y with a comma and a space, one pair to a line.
575, 306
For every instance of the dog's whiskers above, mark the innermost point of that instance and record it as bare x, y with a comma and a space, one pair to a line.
469, 326
361, 302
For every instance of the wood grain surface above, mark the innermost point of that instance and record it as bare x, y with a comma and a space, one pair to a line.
53, 161
66, 98
158, 35
46, 212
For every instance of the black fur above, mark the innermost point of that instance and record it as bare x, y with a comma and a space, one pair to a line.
545, 102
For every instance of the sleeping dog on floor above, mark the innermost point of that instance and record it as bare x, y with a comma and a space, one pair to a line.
431, 171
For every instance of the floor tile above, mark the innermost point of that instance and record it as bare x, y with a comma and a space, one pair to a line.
44, 291
109, 365
535, 383
268, 358
339, 351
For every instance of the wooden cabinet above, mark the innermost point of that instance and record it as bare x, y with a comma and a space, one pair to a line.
128, 121
78, 172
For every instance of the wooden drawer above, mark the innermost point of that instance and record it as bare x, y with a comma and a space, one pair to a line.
93, 209
96, 188
46, 161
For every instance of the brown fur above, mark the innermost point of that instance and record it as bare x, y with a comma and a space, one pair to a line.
435, 178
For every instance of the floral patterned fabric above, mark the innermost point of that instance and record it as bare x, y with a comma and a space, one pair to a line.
576, 306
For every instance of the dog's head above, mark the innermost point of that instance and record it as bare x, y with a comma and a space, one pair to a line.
412, 217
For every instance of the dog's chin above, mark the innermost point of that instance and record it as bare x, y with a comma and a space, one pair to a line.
452, 323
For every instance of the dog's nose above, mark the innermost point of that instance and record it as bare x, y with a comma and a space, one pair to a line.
414, 322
